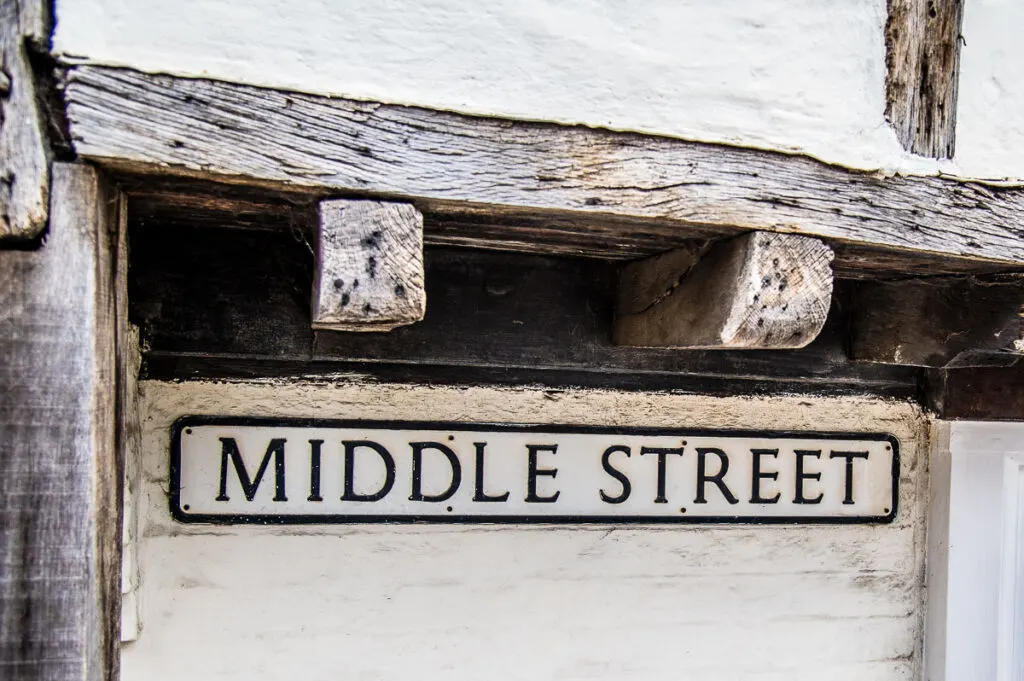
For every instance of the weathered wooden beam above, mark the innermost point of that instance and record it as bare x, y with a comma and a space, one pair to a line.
448, 162
60, 476
369, 270
179, 202
24, 150
940, 322
922, 43
756, 291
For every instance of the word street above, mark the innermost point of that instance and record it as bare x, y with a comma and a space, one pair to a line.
238, 470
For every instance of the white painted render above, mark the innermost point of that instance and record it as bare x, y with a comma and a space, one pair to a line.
515, 602
794, 75
990, 116
975, 623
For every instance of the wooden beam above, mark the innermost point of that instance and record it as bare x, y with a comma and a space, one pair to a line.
757, 291
450, 163
978, 394
922, 47
177, 202
496, 317
940, 322
24, 149
60, 475
369, 269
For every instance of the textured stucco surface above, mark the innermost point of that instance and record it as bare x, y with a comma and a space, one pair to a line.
990, 116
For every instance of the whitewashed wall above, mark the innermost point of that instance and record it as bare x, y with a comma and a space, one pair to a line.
990, 117
800, 75
505, 602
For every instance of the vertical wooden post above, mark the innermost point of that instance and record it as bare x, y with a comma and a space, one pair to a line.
60, 473
922, 54
24, 151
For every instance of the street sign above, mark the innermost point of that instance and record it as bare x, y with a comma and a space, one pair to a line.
240, 470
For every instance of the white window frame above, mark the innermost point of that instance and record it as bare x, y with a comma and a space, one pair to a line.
975, 621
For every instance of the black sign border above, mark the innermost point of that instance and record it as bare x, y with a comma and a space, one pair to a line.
174, 496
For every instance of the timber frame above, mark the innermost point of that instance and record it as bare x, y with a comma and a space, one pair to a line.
193, 152
61, 451
235, 199
617, 195
922, 54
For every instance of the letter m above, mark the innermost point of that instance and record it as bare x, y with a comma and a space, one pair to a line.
229, 450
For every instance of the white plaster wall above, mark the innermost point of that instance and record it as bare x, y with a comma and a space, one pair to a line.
506, 602
990, 116
795, 75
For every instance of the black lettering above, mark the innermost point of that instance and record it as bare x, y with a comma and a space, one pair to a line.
703, 478
314, 471
798, 497
849, 456
606, 463
478, 493
350, 471
533, 472
417, 471
662, 457
229, 450
757, 476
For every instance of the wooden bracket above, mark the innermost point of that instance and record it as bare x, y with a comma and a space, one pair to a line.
757, 291
369, 270
951, 322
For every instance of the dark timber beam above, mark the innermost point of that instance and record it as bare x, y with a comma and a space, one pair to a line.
756, 291
369, 269
60, 471
922, 43
24, 150
978, 394
940, 322
499, 169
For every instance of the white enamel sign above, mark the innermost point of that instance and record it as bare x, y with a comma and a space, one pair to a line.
231, 470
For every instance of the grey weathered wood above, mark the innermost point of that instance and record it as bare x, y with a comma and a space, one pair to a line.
644, 283
940, 322
451, 163
369, 270
757, 291
129, 426
922, 41
24, 150
59, 469
180, 203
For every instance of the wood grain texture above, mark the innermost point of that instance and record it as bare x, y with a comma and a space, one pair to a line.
940, 322
175, 202
24, 148
450, 163
129, 427
922, 42
59, 471
369, 268
756, 291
